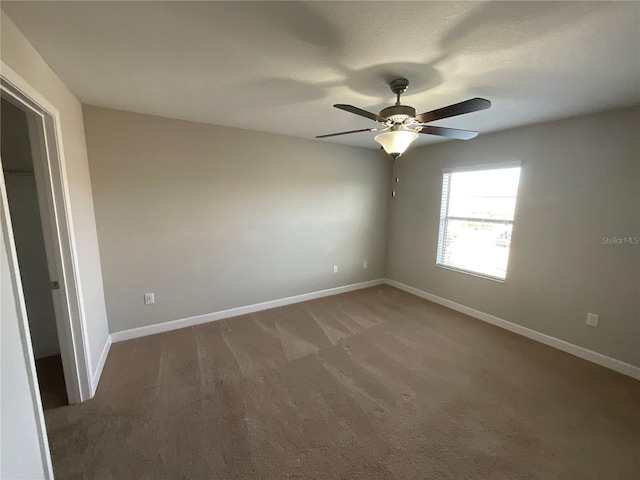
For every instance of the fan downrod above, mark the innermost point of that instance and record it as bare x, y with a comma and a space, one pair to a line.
398, 113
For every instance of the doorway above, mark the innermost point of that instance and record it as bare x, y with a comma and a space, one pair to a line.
34, 184
29, 238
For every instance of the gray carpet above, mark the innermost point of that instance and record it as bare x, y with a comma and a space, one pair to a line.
373, 384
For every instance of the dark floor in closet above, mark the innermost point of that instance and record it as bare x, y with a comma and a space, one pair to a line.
51, 381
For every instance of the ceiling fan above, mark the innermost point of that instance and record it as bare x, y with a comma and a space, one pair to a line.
401, 125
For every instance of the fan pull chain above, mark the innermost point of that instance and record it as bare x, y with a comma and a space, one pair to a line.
395, 178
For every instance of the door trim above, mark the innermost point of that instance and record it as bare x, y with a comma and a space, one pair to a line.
49, 167
23, 327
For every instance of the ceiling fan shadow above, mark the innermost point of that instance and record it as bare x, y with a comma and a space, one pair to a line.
370, 81
497, 25
274, 92
300, 20
511, 83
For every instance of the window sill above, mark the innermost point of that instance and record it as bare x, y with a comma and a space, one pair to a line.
469, 272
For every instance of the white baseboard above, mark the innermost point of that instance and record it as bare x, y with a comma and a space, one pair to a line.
234, 312
584, 353
95, 378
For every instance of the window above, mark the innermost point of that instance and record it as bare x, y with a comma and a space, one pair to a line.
476, 219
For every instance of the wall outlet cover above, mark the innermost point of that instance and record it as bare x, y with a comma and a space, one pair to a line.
592, 319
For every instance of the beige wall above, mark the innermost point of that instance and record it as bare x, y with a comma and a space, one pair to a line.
210, 218
21, 57
580, 182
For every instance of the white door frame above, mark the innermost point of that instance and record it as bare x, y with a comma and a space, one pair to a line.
55, 211
23, 328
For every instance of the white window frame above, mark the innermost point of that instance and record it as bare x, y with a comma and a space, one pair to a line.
444, 217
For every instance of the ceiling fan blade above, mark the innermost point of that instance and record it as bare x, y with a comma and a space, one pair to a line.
347, 133
449, 132
468, 106
362, 113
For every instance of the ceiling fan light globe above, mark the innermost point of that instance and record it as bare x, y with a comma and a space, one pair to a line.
395, 143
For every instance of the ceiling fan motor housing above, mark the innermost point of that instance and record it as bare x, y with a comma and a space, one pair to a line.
399, 85
398, 113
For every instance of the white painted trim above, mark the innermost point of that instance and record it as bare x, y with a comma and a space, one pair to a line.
23, 327
95, 378
72, 326
584, 353
234, 312
486, 166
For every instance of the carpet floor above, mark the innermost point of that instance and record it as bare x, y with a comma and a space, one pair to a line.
372, 384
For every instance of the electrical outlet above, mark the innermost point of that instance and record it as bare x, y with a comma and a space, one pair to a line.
149, 298
592, 319
335, 269
365, 264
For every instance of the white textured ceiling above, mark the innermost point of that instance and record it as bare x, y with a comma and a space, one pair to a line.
279, 67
